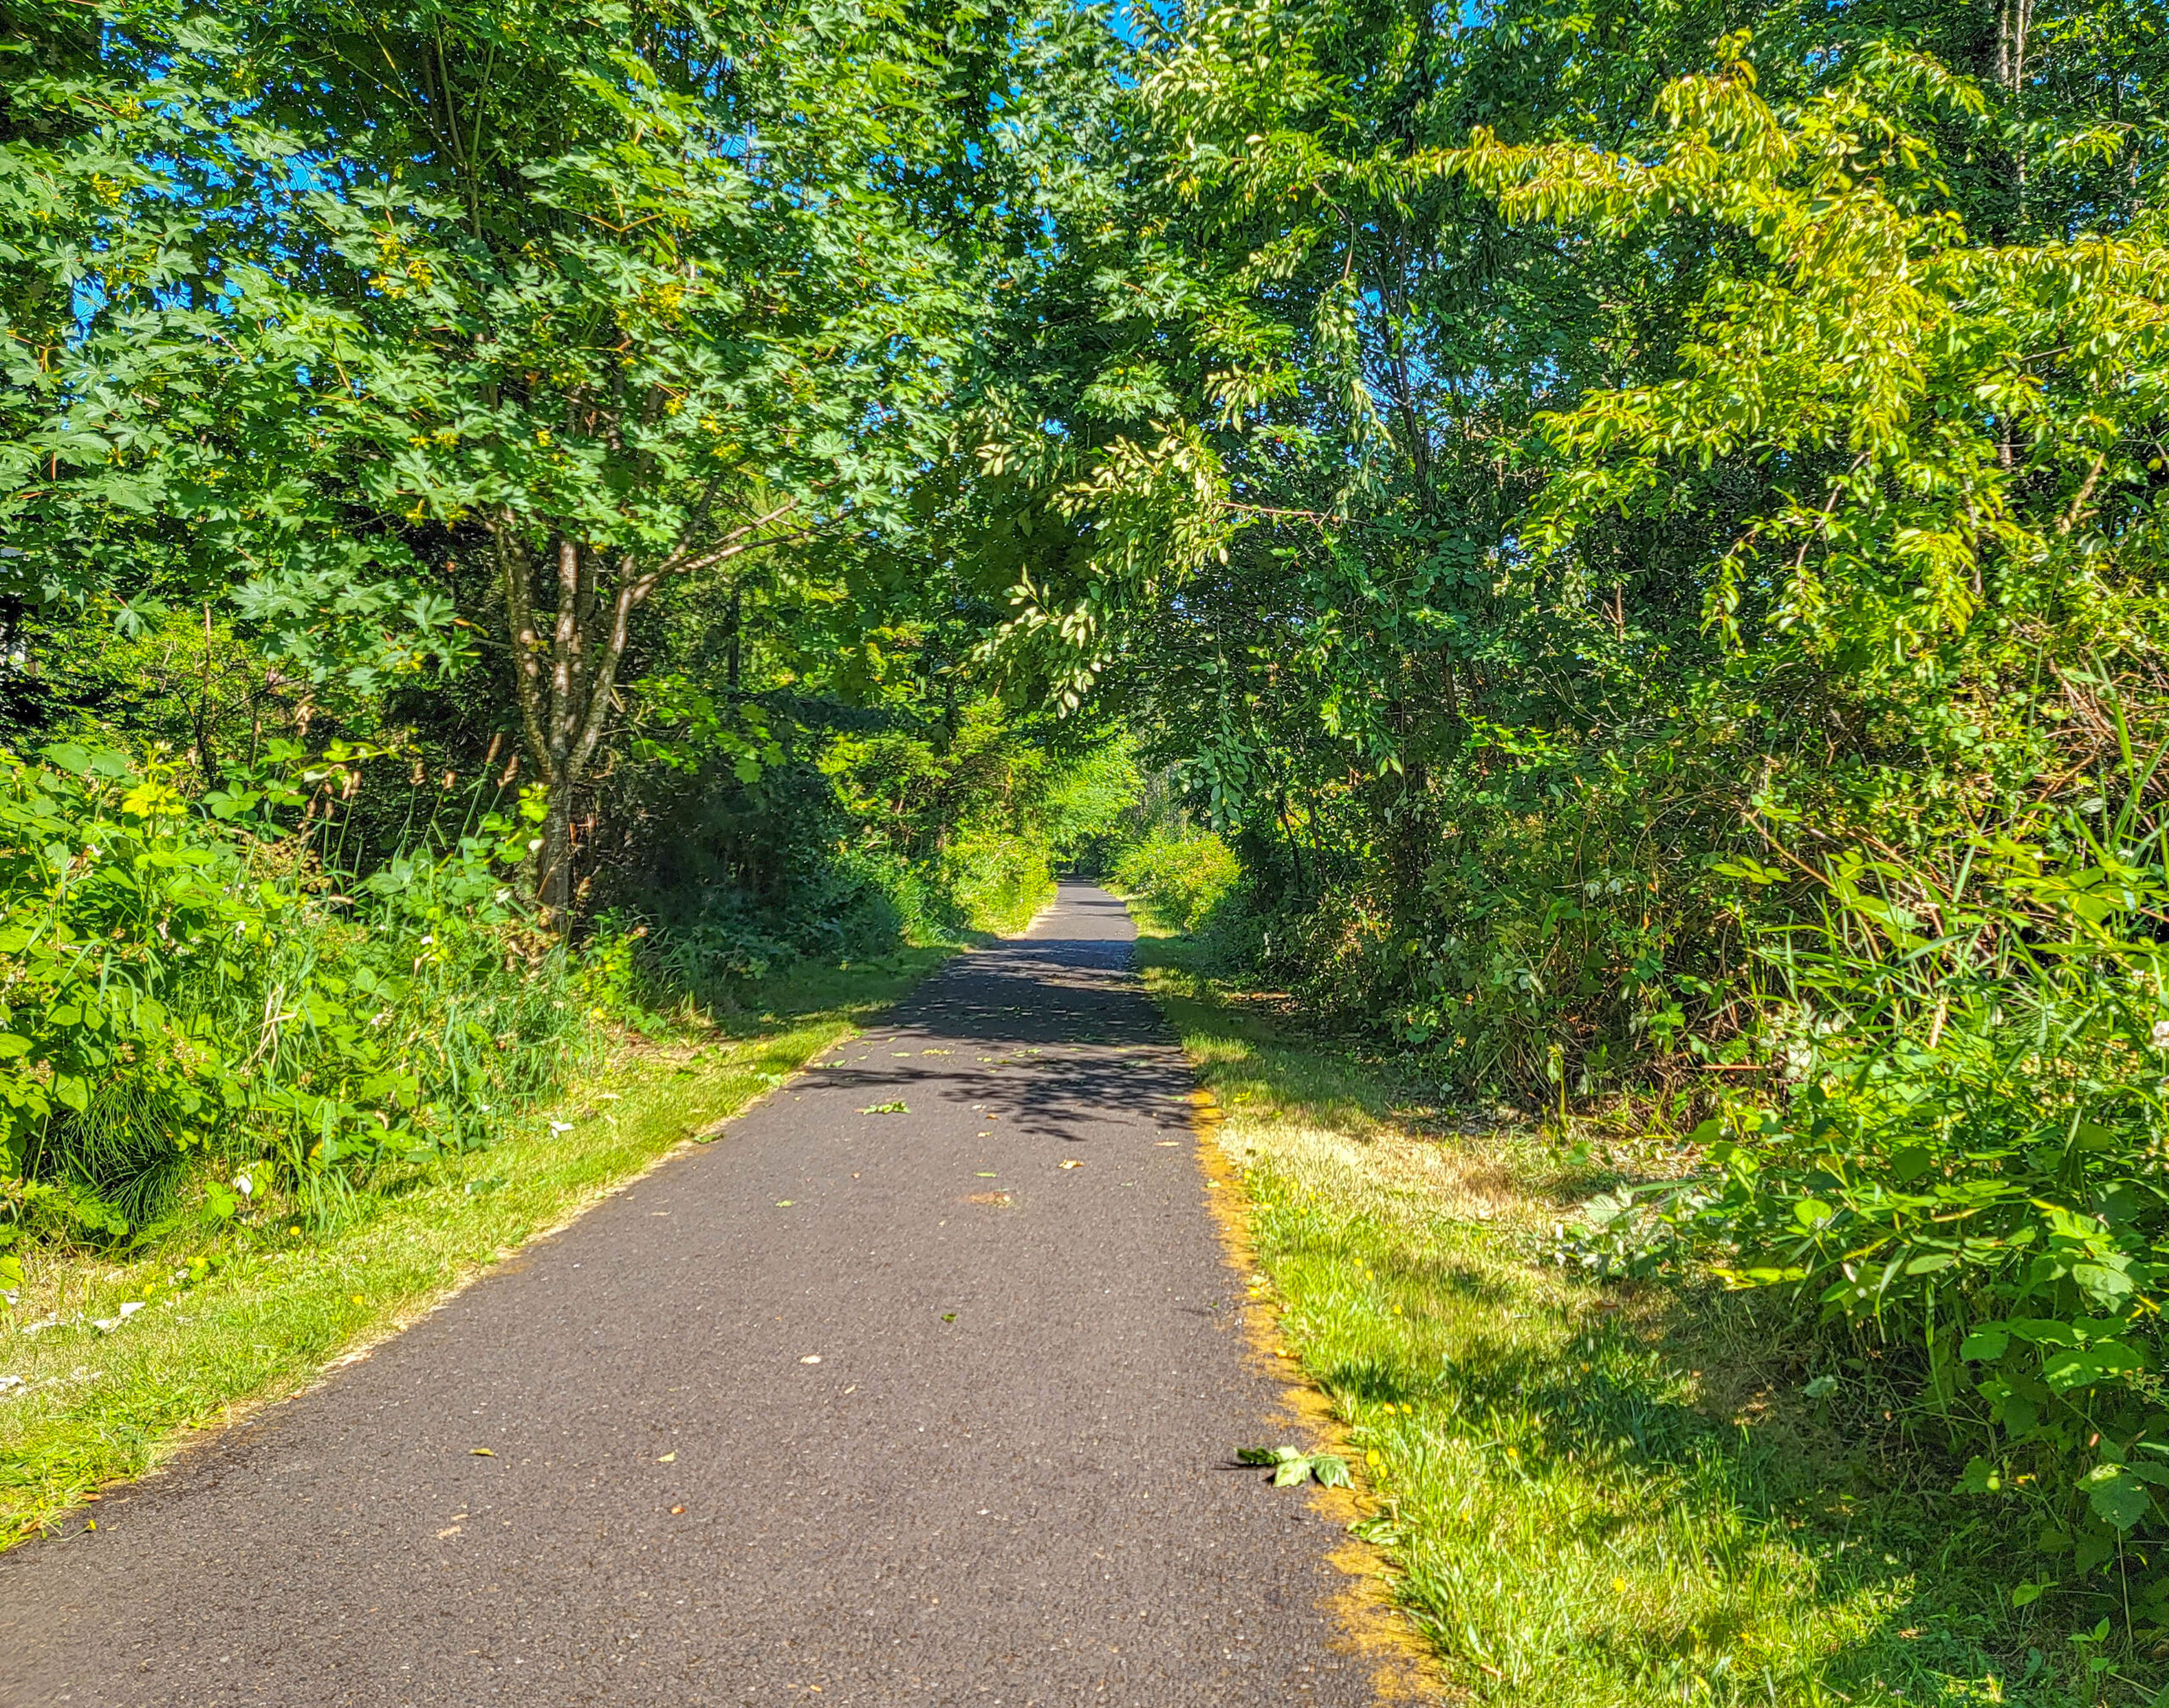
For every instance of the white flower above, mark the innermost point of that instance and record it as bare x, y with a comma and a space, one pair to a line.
2161, 1034
244, 1185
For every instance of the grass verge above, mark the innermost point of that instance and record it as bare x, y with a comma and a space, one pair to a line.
1587, 1494
261, 1310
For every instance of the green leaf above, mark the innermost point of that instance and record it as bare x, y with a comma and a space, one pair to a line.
2083, 1366
2116, 1496
1909, 1164
1986, 1343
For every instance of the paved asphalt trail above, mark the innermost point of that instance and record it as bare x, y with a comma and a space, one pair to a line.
1006, 1481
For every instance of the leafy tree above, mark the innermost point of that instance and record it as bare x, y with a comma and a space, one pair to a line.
563, 303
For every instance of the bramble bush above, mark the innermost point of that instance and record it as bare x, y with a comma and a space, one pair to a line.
1958, 1171
189, 996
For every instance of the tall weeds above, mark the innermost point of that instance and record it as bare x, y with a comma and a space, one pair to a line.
1955, 1169
195, 1007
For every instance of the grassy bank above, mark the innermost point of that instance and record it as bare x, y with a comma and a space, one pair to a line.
106, 1390
1592, 1494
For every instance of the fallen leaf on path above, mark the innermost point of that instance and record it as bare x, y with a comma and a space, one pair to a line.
666, 1459
674, 1510
811, 1358
1071, 1162
1291, 1466
479, 1453
884, 1109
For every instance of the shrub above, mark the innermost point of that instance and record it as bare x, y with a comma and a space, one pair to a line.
184, 991
1961, 1173
996, 881
1181, 878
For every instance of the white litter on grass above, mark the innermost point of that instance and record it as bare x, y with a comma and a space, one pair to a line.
41, 1325
11, 1385
106, 1325
561, 1126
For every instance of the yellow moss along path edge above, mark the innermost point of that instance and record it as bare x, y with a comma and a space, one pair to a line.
1373, 1625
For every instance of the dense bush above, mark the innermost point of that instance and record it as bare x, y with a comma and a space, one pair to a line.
1954, 1167
882, 827
187, 994
1181, 877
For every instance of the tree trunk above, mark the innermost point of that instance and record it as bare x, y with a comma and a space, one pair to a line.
553, 860
565, 660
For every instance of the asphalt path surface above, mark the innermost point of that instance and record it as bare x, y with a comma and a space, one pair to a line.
847, 1407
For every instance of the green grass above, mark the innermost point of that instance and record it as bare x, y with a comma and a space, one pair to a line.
260, 1309
1587, 1494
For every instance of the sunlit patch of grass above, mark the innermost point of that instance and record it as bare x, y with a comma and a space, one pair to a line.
259, 1309
1589, 1495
